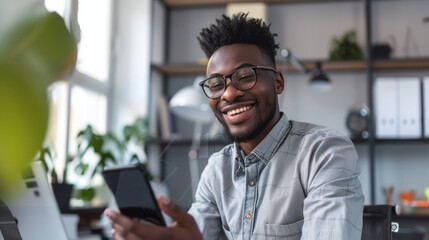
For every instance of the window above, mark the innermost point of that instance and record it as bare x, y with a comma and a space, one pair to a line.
84, 97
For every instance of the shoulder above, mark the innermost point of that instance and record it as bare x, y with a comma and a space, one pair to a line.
220, 161
310, 133
321, 146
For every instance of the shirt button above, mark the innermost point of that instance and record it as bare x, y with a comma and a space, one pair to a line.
252, 183
248, 216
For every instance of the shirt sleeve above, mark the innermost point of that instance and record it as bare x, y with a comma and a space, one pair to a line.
333, 207
205, 211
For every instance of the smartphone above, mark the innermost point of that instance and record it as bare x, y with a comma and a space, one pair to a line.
133, 193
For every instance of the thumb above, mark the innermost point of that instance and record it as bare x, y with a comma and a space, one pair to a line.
175, 212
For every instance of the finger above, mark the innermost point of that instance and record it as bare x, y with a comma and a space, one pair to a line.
132, 229
120, 223
175, 212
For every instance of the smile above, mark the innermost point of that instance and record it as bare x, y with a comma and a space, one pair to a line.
238, 110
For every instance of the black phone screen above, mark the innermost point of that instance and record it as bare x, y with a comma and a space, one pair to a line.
133, 193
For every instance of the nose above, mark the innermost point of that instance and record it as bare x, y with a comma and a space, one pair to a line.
231, 92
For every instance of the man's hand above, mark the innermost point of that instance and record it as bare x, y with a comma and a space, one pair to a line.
184, 226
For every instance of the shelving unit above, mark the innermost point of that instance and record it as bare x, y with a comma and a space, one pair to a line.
175, 72
332, 67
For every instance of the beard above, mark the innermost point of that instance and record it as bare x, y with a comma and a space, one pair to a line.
254, 131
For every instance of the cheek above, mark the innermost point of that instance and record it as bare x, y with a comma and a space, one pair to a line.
213, 105
265, 92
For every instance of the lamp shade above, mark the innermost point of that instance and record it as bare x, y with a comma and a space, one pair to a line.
319, 79
191, 104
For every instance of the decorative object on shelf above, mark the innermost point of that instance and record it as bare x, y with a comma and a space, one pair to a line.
357, 122
411, 48
345, 48
381, 51
191, 104
319, 79
388, 195
31, 58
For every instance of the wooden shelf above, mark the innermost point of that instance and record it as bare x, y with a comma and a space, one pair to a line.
328, 66
402, 64
196, 3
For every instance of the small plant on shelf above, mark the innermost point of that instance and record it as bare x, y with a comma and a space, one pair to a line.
345, 48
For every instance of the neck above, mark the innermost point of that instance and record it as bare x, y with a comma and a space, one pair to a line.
248, 146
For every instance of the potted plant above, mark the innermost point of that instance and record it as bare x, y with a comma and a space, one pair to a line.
61, 188
108, 149
135, 137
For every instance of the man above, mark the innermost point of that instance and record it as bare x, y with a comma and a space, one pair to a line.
280, 179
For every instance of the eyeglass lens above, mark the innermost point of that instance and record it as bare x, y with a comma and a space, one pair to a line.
242, 78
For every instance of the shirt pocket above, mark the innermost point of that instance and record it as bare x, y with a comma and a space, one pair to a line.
287, 231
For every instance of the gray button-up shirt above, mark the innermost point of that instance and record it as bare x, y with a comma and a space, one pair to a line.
300, 182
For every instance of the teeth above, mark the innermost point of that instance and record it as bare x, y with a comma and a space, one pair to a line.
237, 111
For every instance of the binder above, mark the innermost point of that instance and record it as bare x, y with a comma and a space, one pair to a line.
409, 121
386, 110
426, 105
164, 118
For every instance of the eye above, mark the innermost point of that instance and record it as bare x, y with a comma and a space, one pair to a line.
214, 84
244, 75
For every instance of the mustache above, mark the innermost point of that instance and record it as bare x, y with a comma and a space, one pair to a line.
235, 101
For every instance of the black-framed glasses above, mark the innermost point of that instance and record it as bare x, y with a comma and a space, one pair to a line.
243, 78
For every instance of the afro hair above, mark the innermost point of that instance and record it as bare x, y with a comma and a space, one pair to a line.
238, 29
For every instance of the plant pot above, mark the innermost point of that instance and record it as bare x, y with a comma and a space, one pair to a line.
63, 193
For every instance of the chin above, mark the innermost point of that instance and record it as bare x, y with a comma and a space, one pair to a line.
243, 135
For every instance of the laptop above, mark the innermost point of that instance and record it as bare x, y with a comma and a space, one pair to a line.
35, 209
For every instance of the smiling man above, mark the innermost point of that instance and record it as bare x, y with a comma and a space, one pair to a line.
280, 179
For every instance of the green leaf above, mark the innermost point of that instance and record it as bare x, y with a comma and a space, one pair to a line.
40, 43
23, 122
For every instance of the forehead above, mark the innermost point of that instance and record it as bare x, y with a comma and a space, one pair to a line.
227, 58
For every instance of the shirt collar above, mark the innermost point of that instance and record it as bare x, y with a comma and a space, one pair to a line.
269, 145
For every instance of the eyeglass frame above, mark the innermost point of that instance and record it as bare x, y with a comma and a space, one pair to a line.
225, 77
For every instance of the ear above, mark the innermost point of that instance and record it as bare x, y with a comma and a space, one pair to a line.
279, 82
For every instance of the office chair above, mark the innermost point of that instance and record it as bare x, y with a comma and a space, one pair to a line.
8, 224
377, 222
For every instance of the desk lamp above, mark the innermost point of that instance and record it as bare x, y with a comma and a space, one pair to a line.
191, 104
319, 79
